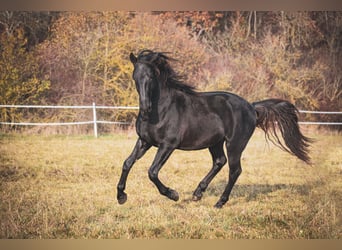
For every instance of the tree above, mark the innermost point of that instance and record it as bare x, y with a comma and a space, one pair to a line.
20, 78
35, 25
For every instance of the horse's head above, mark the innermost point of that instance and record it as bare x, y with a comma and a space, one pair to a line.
145, 77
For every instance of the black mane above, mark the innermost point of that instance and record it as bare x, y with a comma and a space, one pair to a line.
161, 62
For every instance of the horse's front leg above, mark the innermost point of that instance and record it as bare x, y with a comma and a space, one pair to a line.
139, 150
161, 157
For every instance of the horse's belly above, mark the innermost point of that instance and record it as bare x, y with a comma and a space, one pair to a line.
202, 137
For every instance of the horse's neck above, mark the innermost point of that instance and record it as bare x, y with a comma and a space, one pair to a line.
163, 100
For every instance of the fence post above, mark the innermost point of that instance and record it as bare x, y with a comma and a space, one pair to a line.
95, 120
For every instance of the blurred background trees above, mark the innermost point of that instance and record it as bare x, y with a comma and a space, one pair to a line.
76, 58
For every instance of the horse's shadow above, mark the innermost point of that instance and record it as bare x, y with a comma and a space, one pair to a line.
252, 191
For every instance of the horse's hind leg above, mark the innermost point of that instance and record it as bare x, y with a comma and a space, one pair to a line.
234, 161
219, 159
139, 150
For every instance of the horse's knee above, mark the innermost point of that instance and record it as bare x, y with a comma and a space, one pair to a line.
128, 163
222, 160
219, 163
217, 167
125, 166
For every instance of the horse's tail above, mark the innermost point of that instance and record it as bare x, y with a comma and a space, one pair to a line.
275, 113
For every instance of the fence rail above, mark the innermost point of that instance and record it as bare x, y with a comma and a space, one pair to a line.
68, 107
94, 121
321, 112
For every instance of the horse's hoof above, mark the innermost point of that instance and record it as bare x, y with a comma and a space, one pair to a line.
122, 198
220, 204
173, 195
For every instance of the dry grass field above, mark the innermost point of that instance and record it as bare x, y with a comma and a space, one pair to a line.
65, 187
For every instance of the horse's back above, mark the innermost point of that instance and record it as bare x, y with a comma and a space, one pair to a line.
223, 102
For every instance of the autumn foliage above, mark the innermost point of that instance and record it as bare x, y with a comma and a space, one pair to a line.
76, 58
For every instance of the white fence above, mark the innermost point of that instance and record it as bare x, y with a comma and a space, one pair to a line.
94, 121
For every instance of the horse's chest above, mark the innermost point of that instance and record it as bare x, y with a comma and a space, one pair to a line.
155, 133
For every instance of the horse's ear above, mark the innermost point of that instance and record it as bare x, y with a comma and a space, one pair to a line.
132, 58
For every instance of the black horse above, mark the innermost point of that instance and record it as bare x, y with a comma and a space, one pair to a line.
174, 116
